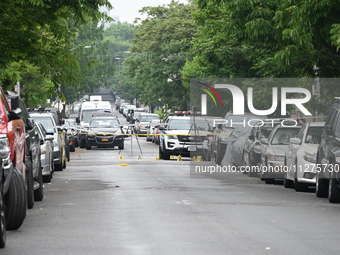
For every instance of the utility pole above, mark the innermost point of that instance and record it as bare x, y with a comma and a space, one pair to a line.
316, 90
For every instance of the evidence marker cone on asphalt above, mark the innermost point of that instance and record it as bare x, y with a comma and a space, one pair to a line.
179, 158
121, 157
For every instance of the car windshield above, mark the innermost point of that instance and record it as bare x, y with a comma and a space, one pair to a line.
86, 116
104, 123
265, 131
47, 123
282, 135
182, 124
187, 124
148, 118
314, 135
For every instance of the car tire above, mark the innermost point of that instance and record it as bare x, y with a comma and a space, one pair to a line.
82, 143
166, 155
88, 146
39, 192
30, 184
333, 190
321, 186
58, 167
73, 148
16, 201
2, 212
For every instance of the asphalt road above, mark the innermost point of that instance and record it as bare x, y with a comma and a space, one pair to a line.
103, 203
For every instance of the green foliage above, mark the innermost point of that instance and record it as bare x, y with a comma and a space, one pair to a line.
42, 32
159, 52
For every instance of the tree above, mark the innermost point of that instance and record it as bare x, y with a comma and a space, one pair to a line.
159, 51
42, 32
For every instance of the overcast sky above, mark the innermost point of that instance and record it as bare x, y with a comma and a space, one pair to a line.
127, 10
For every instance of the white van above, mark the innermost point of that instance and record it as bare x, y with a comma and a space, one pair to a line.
96, 98
104, 105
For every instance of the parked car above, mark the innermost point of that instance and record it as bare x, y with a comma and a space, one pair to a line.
183, 136
234, 155
252, 145
59, 142
222, 138
46, 147
34, 179
328, 157
300, 157
105, 132
151, 128
71, 134
143, 120
12, 150
273, 152
2, 209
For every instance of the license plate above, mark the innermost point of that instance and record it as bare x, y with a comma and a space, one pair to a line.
192, 148
105, 140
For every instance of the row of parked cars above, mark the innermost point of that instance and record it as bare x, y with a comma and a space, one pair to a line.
32, 146
302, 155
139, 119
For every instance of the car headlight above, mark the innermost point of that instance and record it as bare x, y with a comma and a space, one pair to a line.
276, 158
172, 137
5, 150
310, 157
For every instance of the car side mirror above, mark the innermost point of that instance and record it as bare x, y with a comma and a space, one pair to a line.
295, 140
161, 128
77, 120
264, 140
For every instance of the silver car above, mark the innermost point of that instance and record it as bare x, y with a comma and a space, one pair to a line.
46, 146
273, 151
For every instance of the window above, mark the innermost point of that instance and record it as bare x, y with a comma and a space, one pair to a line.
282, 135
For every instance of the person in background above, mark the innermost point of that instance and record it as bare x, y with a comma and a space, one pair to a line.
299, 118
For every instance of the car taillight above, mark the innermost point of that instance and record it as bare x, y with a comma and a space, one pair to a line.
5, 150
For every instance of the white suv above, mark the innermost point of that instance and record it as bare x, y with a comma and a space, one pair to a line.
185, 136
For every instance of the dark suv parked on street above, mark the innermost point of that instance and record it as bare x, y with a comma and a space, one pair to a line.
34, 179
328, 157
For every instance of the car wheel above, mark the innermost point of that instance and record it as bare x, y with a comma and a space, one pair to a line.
30, 184
58, 167
16, 201
2, 213
166, 155
333, 190
88, 146
321, 187
73, 148
39, 192
121, 146
82, 143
